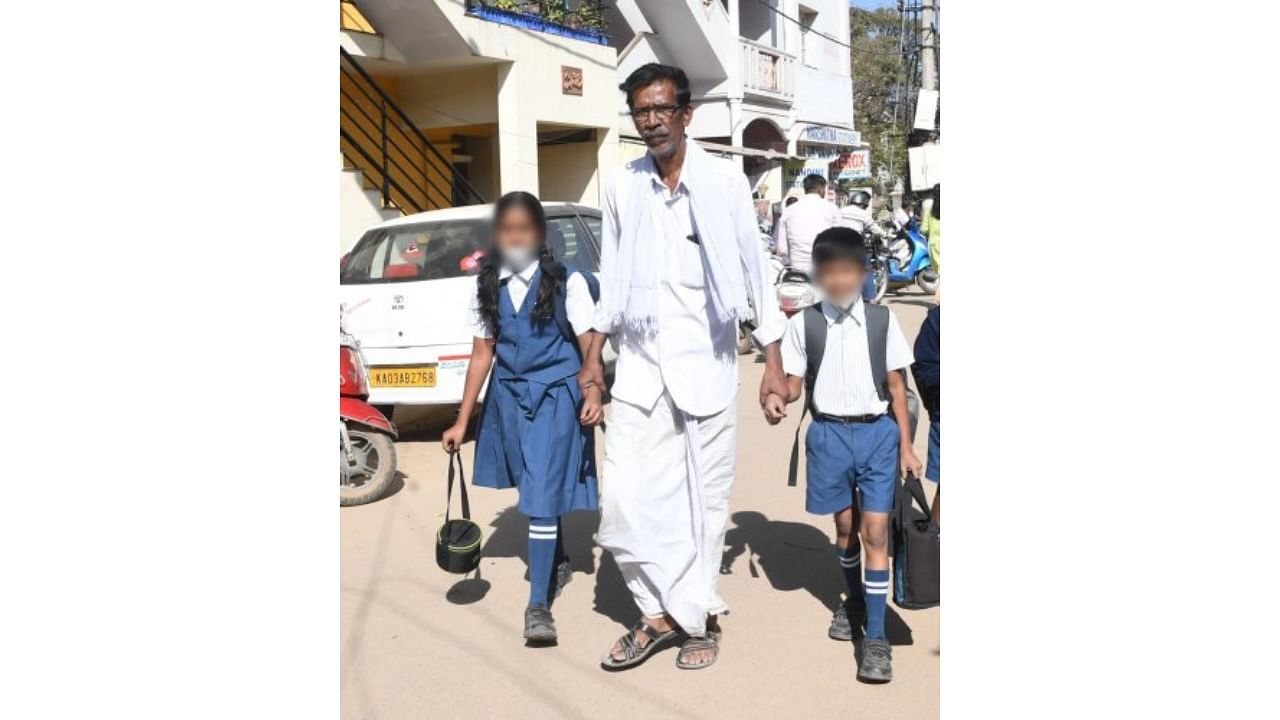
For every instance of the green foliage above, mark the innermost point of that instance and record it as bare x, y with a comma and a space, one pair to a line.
589, 16
508, 5
874, 36
552, 11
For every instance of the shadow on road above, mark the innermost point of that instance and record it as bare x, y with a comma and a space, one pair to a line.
468, 590
795, 556
509, 537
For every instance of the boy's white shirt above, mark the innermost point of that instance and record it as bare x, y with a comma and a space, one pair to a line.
578, 305
844, 385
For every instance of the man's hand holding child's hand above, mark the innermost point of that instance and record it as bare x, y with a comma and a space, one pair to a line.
775, 408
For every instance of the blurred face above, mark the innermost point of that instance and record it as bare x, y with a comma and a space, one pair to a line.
659, 121
841, 281
516, 236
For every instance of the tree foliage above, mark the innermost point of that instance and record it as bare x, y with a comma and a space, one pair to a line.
874, 36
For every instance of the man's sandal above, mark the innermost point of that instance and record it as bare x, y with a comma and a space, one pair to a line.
634, 654
710, 641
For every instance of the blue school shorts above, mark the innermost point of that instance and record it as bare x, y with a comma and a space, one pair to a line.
933, 471
841, 457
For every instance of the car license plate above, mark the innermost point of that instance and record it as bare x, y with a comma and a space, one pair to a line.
403, 376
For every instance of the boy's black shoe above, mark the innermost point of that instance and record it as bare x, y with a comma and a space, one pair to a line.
539, 626
843, 620
840, 628
876, 665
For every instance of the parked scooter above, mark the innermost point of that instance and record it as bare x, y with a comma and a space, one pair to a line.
367, 458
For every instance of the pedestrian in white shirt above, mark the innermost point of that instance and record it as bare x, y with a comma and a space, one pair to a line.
681, 268
803, 220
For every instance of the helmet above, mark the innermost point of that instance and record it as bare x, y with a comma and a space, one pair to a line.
861, 198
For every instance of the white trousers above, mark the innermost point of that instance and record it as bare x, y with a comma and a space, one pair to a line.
664, 504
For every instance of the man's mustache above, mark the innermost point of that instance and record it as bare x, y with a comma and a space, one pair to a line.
655, 135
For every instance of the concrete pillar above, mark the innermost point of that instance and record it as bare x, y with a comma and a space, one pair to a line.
607, 159
517, 135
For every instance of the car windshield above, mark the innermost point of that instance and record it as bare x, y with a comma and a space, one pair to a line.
454, 248
427, 251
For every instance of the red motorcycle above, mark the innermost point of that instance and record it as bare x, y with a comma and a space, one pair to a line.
367, 461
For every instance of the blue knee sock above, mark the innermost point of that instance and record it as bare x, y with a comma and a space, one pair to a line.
560, 556
851, 565
877, 594
544, 534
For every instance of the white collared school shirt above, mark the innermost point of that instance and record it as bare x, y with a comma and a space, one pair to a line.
844, 385
578, 305
693, 355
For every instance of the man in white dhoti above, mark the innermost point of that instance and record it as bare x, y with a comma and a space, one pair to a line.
681, 269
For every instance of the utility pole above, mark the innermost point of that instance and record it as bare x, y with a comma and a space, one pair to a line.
928, 46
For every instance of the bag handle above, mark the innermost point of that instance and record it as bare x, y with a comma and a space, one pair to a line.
448, 498
916, 489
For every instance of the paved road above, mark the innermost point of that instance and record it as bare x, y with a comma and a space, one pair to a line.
417, 641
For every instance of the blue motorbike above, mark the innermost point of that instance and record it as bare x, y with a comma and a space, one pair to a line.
902, 261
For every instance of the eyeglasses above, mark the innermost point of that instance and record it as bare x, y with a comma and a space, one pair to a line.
663, 112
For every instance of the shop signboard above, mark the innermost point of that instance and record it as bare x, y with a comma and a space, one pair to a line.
855, 165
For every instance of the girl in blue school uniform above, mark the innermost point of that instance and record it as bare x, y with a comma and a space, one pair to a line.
530, 317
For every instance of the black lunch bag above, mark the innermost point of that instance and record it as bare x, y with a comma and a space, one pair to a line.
916, 552
458, 540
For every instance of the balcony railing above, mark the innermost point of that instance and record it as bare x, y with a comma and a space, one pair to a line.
577, 19
767, 71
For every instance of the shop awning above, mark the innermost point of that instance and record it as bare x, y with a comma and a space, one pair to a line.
744, 151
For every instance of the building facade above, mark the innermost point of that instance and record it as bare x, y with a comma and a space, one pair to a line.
771, 80
450, 102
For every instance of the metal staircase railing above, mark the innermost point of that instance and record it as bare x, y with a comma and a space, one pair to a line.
379, 139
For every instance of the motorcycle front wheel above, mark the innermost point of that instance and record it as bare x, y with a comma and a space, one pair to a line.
365, 477
928, 281
880, 278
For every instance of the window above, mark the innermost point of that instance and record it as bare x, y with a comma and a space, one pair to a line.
572, 245
430, 251
808, 41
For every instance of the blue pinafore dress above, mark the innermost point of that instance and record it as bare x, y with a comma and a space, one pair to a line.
529, 436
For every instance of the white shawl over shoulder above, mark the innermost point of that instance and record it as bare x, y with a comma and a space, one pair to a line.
728, 236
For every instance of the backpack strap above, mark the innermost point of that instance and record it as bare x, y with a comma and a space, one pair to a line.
815, 346
877, 346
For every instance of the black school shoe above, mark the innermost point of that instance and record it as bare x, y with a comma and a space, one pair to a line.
564, 573
876, 665
841, 626
539, 626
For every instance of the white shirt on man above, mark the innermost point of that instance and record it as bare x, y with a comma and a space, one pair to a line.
844, 385
578, 305
693, 355
800, 223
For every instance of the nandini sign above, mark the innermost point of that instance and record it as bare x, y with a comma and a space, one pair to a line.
855, 166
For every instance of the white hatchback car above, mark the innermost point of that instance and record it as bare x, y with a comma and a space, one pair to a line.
407, 284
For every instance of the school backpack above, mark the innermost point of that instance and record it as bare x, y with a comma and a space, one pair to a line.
917, 554
815, 345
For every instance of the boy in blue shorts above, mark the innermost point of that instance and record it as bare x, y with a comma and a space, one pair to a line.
860, 436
